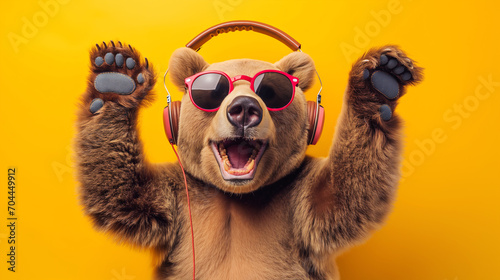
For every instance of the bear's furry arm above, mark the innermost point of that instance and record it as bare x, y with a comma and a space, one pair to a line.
119, 190
348, 194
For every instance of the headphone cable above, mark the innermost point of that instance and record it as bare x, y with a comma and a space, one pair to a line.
189, 208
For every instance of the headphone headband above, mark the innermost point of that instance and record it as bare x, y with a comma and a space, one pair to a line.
242, 25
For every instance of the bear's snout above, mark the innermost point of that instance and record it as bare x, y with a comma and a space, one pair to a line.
244, 112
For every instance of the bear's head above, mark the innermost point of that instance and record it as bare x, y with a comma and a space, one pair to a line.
243, 145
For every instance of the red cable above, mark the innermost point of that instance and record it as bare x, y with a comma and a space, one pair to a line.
189, 208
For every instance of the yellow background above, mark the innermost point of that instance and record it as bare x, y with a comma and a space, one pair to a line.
446, 222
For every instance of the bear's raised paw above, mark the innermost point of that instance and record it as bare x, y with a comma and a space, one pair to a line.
118, 75
384, 73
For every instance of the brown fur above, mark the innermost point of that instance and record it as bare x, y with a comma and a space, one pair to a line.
287, 223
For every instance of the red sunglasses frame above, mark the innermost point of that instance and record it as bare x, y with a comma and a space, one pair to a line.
190, 80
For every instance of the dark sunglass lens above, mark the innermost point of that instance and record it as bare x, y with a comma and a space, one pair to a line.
209, 90
275, 89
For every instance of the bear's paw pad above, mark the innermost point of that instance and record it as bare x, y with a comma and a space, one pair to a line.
96, 105
385, 112
114, 82
386, 84
388, 76
116, 79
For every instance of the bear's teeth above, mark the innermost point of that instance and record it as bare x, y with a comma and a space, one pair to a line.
242, 171
250, 165
222, 149
227, 164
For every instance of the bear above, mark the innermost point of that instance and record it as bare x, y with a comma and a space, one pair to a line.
261, 208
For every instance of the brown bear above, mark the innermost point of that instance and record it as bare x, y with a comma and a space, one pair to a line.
261, 208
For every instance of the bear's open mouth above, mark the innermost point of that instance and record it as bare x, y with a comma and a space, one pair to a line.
238, 158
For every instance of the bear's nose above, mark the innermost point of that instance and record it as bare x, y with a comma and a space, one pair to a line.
244, 112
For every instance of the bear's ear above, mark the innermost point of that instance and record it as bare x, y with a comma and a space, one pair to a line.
300, 65
184, 63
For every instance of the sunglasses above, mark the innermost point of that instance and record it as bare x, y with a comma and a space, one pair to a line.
208, 89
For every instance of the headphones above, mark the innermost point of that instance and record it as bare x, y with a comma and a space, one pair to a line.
315, 112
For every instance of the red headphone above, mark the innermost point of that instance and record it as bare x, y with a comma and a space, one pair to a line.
315, 112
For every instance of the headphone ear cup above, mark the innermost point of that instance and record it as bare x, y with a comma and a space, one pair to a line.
171, 121
319, 125
315, 122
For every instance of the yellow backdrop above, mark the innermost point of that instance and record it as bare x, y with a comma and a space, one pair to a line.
445, 223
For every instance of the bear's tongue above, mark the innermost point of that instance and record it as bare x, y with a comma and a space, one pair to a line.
239, 153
